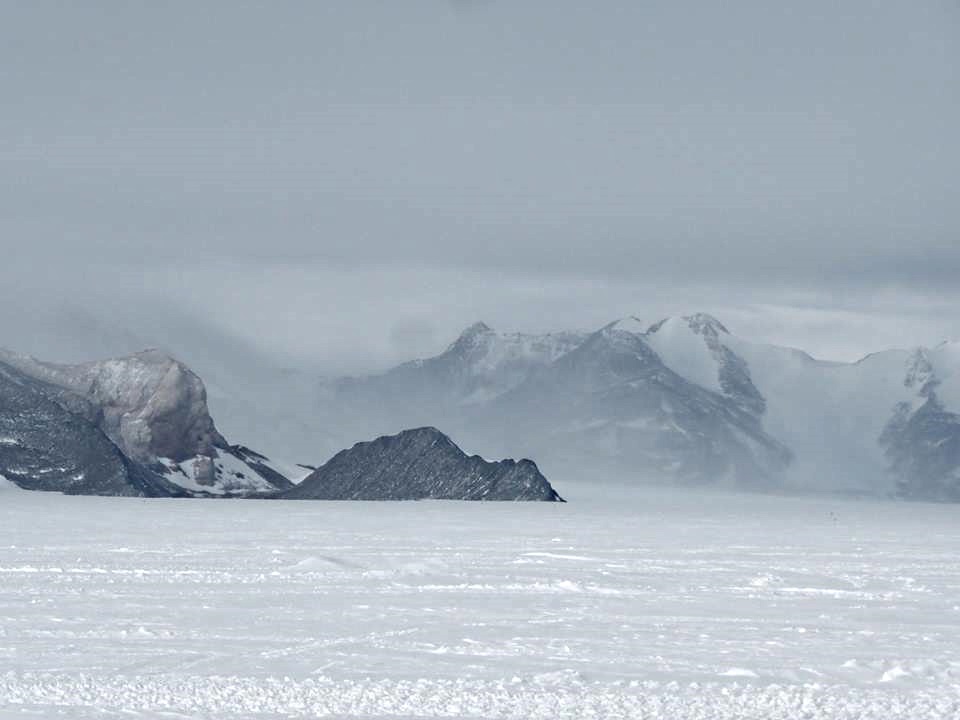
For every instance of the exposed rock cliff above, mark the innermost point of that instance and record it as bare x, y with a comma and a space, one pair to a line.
152, 412
149, 404
44, 446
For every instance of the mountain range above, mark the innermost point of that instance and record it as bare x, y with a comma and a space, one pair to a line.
140, 426
681, 400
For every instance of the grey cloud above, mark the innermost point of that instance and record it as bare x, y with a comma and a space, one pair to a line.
386, 172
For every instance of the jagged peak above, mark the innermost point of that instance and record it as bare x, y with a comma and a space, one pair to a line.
427, 431
418, 435
151, 353
920, 373
630, 324
701, 321
471, 336
478, 328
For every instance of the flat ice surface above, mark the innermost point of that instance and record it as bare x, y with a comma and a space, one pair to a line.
638, 604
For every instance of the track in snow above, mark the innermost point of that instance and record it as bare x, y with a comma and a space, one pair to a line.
639, 604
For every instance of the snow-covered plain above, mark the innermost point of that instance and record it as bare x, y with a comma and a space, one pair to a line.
623, 604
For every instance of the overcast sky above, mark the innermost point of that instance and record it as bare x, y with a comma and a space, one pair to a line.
346, 184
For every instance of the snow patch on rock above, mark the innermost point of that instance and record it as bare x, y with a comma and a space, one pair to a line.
223, 474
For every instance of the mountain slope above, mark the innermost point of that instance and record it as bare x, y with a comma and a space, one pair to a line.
420, 464
149, 404
480, 365
695, 348
686, 400
44, 446
876, 426
887, 424
613, 400
922, 439
152, 410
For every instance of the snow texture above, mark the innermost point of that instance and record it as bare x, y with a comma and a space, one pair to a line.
685, 352
625, 603
231, 475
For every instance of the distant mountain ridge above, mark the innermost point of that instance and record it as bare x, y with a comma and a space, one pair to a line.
681, 400
482, 364
479, 366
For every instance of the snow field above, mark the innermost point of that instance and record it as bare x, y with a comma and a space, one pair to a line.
620, 604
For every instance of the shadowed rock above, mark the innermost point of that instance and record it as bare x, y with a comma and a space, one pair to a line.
922, 439
45, 446
147, 411
417, 465
149, 404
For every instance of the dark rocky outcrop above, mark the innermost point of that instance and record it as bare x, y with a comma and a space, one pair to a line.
149, 404
137, 425
45, 446
922, 439
421, 464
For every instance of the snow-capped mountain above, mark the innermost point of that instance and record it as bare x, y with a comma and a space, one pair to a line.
133, 425
442, 391
613, 401
884, 424
683, 400
480, 365
922, 439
